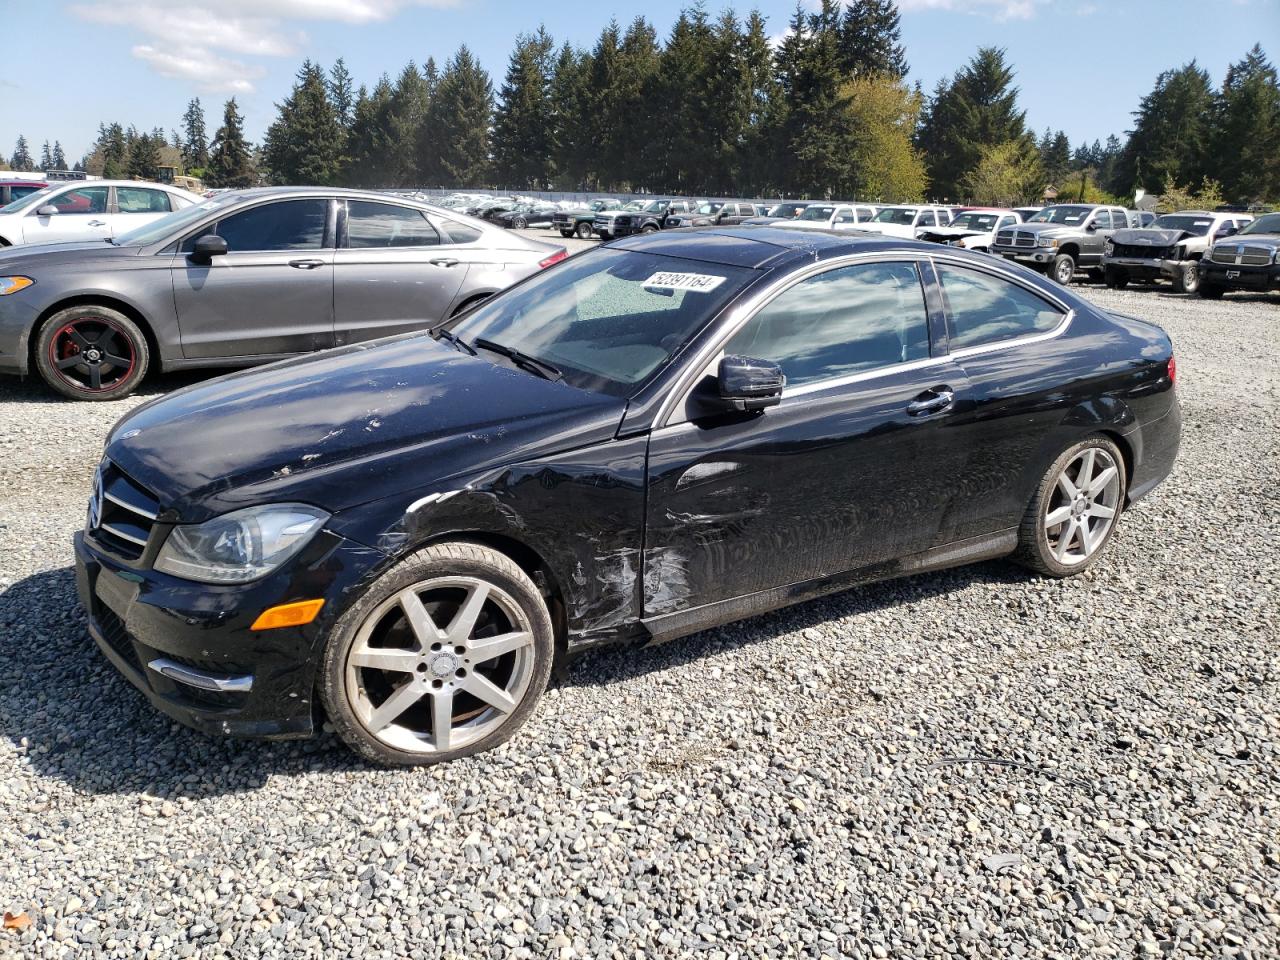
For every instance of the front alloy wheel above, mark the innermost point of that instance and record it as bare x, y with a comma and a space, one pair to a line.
90, 352
1064, 268
1075, 510
445, 656
583, 231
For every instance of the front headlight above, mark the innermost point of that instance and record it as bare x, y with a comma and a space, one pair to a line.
1046, 242
10, 285
239, 546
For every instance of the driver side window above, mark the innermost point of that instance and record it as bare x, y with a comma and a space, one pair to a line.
284, 225
847, 320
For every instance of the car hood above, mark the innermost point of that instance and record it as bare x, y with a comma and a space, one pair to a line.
904, 230
1151, 237
1271, 240
951, 233
1050, 229
349, 426
51, 254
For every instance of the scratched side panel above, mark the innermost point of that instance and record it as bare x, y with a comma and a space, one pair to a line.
582, 512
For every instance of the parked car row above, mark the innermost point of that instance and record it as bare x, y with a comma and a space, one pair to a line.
84, 210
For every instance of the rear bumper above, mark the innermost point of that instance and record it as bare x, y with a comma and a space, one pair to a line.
1155, 451
1240, 276
188, 647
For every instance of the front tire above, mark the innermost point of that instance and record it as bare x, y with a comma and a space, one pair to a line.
1063, 269
1187, 279
519, 223
583, 231
648, 228
1075, 509
445, 655
91, 352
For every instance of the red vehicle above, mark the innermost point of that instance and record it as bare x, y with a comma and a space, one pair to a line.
11, 190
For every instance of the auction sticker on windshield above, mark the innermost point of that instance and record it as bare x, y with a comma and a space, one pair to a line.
699, 282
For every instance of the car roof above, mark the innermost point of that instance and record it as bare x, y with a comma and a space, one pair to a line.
758, 247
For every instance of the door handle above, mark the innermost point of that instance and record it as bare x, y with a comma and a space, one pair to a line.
443, 262
306, 264
931, 401
97, 223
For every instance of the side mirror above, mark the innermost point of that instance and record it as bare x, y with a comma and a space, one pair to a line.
1226, 232
747, 384
208, 247
47, 210
1091, 227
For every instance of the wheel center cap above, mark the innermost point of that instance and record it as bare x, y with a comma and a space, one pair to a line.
92, 355
1078, 508
443, 664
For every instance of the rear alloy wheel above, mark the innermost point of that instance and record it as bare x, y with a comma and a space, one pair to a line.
445, 656
1187, 279
1115, 278
1064, 269
583, 231
90, 352
1075, 509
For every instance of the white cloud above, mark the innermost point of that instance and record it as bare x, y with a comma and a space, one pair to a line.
995, 9
183, 40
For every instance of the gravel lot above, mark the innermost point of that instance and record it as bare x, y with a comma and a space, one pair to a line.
973, 763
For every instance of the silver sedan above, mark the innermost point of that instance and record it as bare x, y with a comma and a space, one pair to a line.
247, 277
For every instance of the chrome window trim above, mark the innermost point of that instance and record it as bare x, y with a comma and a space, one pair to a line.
702, 362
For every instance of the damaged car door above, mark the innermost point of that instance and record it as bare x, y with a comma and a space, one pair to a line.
847, 471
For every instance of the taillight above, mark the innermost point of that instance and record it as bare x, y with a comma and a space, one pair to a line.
1173, 370
554, 258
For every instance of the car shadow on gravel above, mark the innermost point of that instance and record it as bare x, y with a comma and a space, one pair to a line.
31, 389
74, 718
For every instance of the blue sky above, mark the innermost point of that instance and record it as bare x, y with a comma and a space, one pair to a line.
1081, 65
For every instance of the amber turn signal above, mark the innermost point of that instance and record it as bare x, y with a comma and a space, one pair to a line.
288, 615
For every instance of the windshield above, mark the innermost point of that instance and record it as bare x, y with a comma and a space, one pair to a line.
1198, 226
817, 212
172, 223
30, 200
709, 207
1268, 224
974, 220
900, 215
1062, 214
609, 320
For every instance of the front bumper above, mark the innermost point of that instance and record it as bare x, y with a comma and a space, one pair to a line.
1240, 276
1037, 258
18, 316
1146, 266
188, 647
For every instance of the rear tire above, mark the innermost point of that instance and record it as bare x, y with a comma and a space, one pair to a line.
1063, 269
1187, 279
406, 677
1115, 278
520, 223
583, 231
91, 352
1075, 509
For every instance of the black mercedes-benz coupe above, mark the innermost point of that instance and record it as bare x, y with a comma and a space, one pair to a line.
657, 436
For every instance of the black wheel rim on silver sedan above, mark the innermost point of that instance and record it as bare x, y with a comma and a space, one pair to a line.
92, 354
440, 665
1083, 506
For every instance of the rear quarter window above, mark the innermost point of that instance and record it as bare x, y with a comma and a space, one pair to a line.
985, 309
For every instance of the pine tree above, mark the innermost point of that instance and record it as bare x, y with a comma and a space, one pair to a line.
406, 120
602, 107
459, 117
303, 145
976, 110
870, 39
113, 144
195, 142
231, 161
46, 157
1055, 156
754, 166
815, 138
144, 157
1245, 130
677, 144
21, 159
522, 126
570, 126
341, 92
369, 149
1170, 134
59, 158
